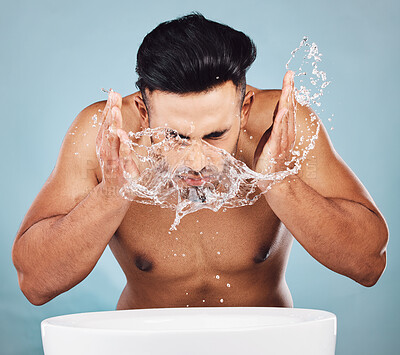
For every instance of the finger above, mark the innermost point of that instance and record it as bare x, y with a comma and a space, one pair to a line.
102, 140
277, 131
100, 133
125, 156
292, 116
107, 109
278, 124
108, 120
112, 137
286, 90
105, 143
115, 103
116, 99
117, 118
105, 119
288, 79
291, 129
284, 132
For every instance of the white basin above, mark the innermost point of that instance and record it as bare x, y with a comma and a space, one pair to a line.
192, 331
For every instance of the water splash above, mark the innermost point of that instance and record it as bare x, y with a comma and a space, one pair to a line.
164, 160
165, 166
309, 94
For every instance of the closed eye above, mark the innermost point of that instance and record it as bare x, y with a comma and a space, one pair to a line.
213, 135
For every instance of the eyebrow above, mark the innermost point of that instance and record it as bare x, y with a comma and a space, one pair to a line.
209, 135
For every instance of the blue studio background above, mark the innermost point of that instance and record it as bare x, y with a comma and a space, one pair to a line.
55, 57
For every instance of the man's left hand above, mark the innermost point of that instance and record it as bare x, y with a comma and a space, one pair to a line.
278, 148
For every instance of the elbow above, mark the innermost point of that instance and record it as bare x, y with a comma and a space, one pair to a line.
31, 294
373, 273
27, 286
376, 264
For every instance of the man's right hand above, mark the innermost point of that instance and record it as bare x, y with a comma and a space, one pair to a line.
112, 147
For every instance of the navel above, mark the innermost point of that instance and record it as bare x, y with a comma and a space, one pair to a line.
262, 254
143, 264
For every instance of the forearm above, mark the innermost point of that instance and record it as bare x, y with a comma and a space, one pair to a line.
55, 254
343, 235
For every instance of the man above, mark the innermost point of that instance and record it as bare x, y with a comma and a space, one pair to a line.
192, 79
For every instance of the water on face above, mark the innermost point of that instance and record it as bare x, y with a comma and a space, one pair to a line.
164, 167
226, 182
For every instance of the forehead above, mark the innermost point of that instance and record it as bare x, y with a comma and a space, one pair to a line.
214, 108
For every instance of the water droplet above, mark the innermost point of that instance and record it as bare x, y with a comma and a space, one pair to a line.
204, 300
218, 252
221, 300
251, 137
217, 277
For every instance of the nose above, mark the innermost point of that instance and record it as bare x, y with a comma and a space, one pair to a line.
195, 157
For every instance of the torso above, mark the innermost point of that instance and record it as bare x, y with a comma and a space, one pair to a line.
233, 258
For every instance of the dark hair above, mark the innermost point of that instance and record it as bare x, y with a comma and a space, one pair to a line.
193, 54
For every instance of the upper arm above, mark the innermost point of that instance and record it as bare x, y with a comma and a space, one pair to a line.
323, 169
74, 174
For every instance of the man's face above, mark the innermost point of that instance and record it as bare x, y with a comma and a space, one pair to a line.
212, 117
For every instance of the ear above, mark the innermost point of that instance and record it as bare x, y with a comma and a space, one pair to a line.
246, 107
143, 114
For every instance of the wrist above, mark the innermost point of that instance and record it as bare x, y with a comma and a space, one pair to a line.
278, 186
110, 195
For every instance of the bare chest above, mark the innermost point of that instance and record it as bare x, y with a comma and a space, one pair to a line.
204, 243
238, 240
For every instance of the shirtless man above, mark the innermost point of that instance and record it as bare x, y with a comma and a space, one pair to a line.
192, 70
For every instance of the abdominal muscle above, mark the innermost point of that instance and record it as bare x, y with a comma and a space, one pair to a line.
197, 295
237, 277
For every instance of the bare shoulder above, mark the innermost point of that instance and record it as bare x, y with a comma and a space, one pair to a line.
76, 171
262, 110
73, 175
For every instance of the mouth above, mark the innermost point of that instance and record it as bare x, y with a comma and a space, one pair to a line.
192, 181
